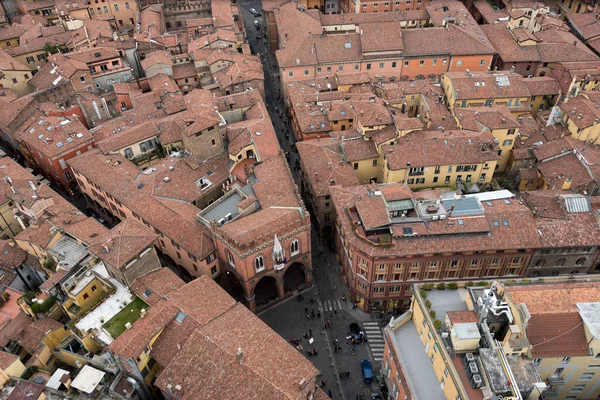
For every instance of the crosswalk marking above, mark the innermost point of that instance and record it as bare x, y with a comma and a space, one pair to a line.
375, 339
331, 305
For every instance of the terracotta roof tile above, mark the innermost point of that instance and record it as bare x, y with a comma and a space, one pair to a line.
155, 285
462, 317
460, 147
556, 328
318, 157
122, 243
156, 57
7, 359
357, 150
36, 332
13, 329
129, 137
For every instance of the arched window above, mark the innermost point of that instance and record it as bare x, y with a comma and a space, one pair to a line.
560, 262
259, 263
580, 261
294, 247
231, 260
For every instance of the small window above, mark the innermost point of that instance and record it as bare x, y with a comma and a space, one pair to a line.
259, 263
127, 5
294, 247
86, 296
180, 317
94, 288
116, 7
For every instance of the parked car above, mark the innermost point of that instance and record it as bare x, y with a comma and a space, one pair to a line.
253, 10
376, 396
367, 371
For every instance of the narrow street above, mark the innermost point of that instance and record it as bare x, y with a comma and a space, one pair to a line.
289, 318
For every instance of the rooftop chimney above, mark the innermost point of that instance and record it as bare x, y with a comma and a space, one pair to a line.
239, 355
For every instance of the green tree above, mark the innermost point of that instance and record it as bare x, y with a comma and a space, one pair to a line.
50, 48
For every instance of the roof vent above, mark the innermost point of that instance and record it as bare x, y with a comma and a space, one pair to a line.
97, 54
166, 179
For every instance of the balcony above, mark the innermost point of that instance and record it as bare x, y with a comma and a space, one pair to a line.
416, 173
549, 393
556, 380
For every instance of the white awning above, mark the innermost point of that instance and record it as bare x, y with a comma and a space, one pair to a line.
88, 379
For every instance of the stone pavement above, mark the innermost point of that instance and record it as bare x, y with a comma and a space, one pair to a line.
289, 320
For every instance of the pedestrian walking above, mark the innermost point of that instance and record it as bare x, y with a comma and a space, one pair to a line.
330, 394
335, 312
306, 310
310, 332
312, 313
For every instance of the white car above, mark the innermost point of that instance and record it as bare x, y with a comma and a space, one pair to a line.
256, 23
253, 10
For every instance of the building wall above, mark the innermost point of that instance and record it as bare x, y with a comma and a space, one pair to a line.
17, 81
386, 283
34, 60
366, 170
205, 144
447, 175
192, 264
124, 14
92, 291
51, 167
243, 265
10, 43
589, 134
159, 69
136, 148
391, 367
9, 226
375, 6
14, 370
391, 68
557, 261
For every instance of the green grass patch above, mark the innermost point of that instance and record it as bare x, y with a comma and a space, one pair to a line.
116, 325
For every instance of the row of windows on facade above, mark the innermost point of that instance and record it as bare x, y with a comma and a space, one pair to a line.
382, 66
433, 265
459, 178
386, 4
106, 8
259, 262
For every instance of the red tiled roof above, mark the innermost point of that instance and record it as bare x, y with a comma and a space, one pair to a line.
122, 243
323, 164
7, 359
153, 286
555, 328
462, 317
36, 332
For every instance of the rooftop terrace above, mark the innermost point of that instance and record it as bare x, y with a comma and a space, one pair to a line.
416, 364
110, 307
